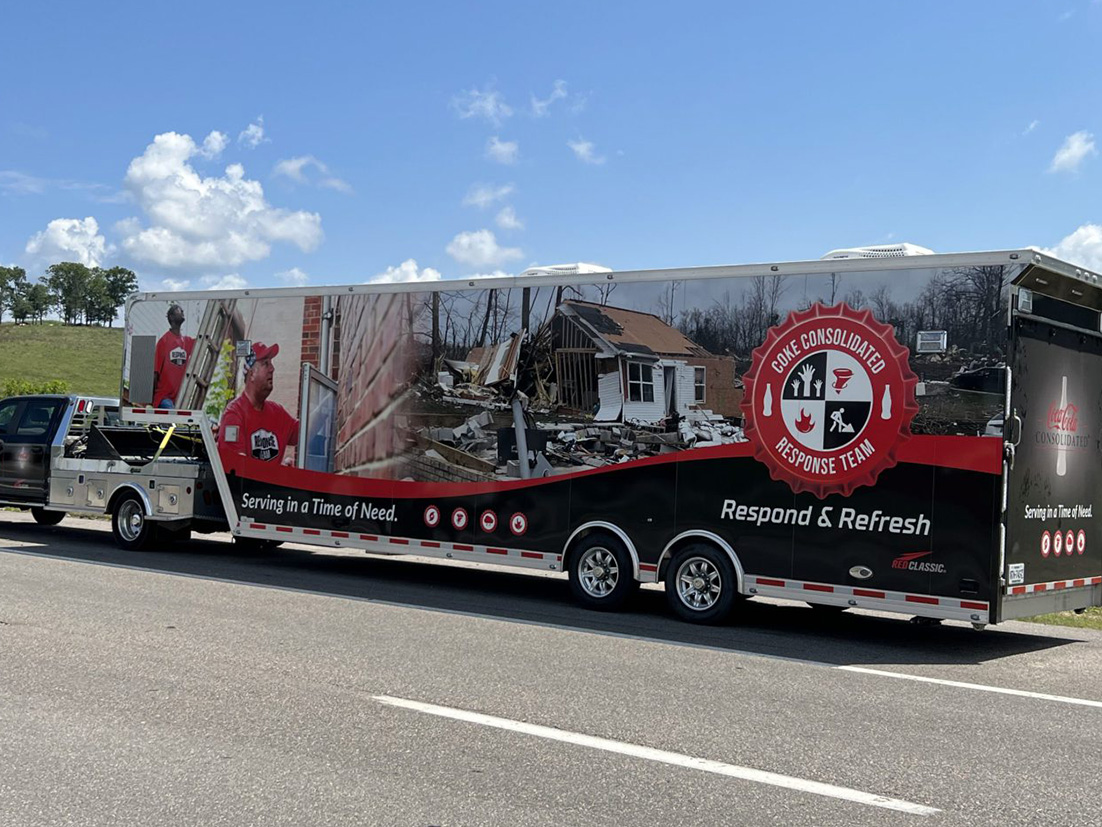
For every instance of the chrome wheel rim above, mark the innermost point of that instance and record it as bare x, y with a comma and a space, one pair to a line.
131, 520
598, 572
699, 583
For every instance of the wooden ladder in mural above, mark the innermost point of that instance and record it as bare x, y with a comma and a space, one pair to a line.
217, 324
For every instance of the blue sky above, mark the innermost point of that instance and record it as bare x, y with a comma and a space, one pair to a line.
240, 143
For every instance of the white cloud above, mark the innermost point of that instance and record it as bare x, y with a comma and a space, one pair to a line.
175, 285
487, 104
1032, 125
293, 277
69, 239
504, 152
480, 249
213, 145
483, 195
253, 135
585, 151
295, 170
1082, 247
406, 271
197, 222
1074, 151
507, 219
540, 107
230, 281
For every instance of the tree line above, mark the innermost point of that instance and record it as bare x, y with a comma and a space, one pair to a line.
77, 293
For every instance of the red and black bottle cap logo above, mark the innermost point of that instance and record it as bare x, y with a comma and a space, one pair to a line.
829, 396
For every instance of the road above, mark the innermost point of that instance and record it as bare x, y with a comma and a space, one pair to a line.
202, 686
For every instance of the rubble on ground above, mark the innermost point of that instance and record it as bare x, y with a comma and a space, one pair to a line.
567, 446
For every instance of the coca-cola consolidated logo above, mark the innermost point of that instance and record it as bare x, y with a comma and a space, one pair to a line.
829, 396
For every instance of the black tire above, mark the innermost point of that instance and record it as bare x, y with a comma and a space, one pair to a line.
130, 525
44, 517
701, 584
602, 575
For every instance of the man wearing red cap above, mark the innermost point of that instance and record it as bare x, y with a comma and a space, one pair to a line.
251, 425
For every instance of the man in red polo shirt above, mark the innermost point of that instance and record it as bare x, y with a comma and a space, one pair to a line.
252, 426
170, 360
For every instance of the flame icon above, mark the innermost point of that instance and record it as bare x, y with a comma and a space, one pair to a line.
805, 422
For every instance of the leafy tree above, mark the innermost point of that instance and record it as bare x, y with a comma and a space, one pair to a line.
99, 307
38, 295
11, 281
119, 283
221, 391
68, 284
20, 308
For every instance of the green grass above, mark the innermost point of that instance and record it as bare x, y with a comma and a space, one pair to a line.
1090, 619
87, 359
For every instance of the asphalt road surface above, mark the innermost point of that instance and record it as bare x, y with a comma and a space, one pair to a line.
203, 686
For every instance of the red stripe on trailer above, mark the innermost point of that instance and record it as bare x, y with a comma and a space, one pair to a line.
816, 587
762, 581
532, 555
339, 533
139, 410
959, 452
1018, 590
1040, 587
458, 547
1080, 582
497, 551
313, 532
258, 526
184, 413
369, 537
965, 604
647, 567
918, 598
398, 541
284, 529
429, 544
1059, 584
868, 593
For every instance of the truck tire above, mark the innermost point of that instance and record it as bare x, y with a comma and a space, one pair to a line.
602, 576
701, 585
129, 525
43, 516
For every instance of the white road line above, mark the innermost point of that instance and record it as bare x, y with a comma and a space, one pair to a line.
1021, 693
664, 757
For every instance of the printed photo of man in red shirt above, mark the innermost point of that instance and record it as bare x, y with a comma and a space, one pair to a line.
170, 360
251, 425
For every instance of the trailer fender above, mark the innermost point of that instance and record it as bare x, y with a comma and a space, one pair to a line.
129, 486
708, 537
600, 525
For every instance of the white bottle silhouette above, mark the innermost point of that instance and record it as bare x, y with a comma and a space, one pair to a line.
1061, 446
886, 403
767, 405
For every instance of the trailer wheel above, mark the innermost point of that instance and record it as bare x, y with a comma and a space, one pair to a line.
701, 585
131, 529
44, 516
601, 573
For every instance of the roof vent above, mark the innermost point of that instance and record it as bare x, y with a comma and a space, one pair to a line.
879, 251
580, 268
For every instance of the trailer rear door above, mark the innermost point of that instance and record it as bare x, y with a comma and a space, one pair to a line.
1053, 558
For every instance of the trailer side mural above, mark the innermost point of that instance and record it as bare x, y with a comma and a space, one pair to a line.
788, 418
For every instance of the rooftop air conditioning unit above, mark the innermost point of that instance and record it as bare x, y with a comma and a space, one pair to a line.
580, 268
879, 251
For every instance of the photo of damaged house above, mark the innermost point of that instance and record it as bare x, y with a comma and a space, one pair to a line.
580, 384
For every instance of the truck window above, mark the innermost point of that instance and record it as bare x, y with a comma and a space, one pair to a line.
7, 412
36, 419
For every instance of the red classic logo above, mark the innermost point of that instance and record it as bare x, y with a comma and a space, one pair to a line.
913, 561
829, 396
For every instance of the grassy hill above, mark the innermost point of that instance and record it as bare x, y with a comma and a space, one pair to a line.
87, 359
